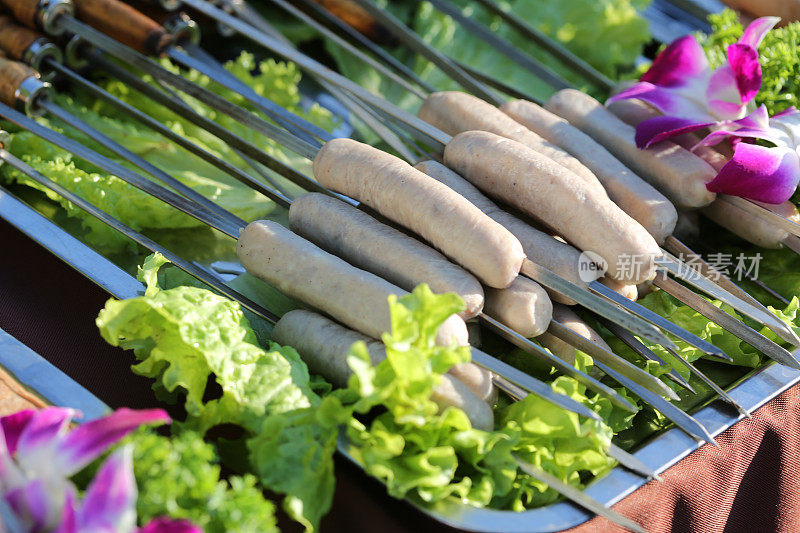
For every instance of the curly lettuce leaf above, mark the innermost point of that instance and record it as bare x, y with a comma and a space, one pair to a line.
185, 336
180, 477
429, 455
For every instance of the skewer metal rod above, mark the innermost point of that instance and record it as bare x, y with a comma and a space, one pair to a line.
550, 45
503, 46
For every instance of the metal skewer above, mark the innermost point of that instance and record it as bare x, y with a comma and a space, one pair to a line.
577, 496
764, 316
675, 267
643, 351
553, 47
713, 313
503, 46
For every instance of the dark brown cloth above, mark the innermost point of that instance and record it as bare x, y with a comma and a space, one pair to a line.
749, 484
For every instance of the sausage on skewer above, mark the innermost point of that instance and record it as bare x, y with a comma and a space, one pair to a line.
323, 345
433, 211
635, 196
680, 175
534, 184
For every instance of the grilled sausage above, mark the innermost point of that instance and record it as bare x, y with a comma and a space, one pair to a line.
431, 210
539, 247
455, 112
301, 270
324, 346
751, 227
635, 196
532, 183
680, 175
365, 243
523, 306
362, 241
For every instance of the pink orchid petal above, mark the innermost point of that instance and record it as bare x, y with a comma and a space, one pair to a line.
90, 440
664, 127
678, 64
69, 515
168, 525
764, 174
110, 501
724, 94
758, 119
757, 30
41, 437
31, 505
743, 59
12, 426
680, 102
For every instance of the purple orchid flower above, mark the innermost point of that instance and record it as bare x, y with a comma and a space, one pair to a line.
692, 97
40, 451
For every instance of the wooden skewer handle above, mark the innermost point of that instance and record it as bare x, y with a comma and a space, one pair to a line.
15, 40
125, 24
12, 75
25, 11
354, 15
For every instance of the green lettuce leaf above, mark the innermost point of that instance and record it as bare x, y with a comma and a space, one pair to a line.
429, 455
179, 476
186, 336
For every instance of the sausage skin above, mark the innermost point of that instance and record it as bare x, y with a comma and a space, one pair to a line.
455, 112
301, 270
750, 227
323, 345
680, 175
539, 247
532, 183
431, 210
362, 241
634, 195
523, 306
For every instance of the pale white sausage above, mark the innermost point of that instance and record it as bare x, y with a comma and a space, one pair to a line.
539, 247
532, 183
634, 195
680, 175
431, 210
523, 306
301, 270
455, 112
362, 241
323, 345
750, 227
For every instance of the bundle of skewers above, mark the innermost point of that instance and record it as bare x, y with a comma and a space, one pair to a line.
545, 218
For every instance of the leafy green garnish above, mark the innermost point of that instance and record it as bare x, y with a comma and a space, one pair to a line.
432, 455
179, 476
274, 80
186, 336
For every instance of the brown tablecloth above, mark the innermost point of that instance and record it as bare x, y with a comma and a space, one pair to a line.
751, 483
